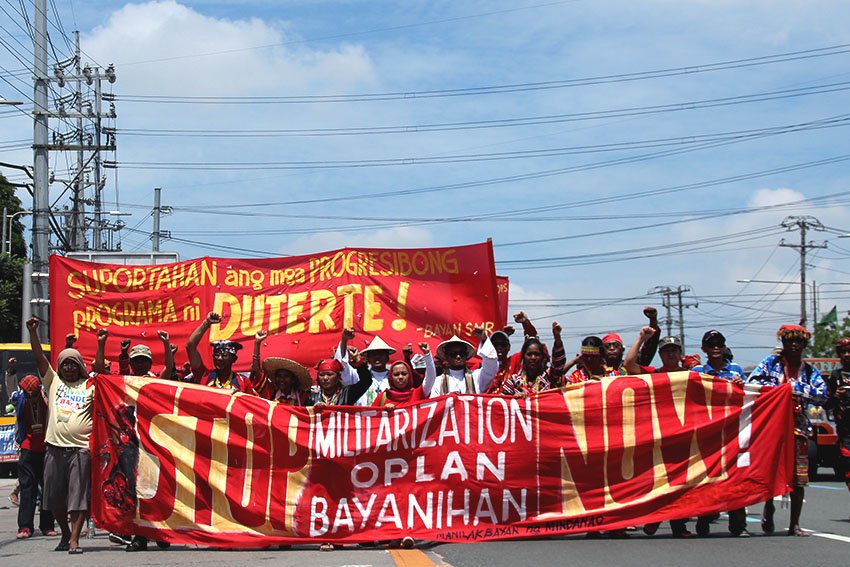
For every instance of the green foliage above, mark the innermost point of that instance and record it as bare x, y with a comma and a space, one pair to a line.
826, 335
11, 268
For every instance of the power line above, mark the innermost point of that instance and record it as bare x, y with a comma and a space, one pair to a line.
495, 89
495, 123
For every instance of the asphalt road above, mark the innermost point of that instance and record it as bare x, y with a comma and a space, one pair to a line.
826, 514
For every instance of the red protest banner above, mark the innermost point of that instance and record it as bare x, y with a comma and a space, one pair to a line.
190, 464
502, 286
405, 296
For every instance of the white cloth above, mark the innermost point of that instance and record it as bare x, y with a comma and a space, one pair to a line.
482, 377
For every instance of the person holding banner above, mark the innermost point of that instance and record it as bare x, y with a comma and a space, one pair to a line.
669, 350
535, 374
808, 387
456, 377
332, 392
612, 354
67, 465
139, 358
592, 365
716, 364
279, 379
377, 354
402, 390
224, 355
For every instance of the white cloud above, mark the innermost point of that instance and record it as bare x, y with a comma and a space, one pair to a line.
168, 48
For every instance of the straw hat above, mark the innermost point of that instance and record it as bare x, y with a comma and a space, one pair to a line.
441, 349
378, 344
274, 363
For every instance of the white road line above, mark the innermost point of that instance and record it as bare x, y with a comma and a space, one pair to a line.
845, 539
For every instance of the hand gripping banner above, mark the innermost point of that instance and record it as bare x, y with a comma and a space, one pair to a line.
304, 302
189, 464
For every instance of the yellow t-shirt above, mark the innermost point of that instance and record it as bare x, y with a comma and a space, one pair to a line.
70, 410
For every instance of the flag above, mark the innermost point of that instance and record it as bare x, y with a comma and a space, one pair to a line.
831, 317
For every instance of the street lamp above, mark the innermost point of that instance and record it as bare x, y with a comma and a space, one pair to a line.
7, 234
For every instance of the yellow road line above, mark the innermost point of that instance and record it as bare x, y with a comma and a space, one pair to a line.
410, 558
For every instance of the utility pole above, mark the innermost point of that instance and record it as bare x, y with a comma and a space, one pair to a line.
667, 293
158, 211
73, 110
41, 197
803, 223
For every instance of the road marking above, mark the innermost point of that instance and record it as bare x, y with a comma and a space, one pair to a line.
827, 487
845, 539
411, 558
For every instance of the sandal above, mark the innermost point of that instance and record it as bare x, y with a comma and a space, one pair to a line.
650, 529
24, 533
63, 546
797, 531
327, 547
767, 525
75, 550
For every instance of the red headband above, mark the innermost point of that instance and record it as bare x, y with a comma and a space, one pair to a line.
612, 337
330, 364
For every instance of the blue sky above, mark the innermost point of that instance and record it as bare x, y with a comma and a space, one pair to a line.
640, 144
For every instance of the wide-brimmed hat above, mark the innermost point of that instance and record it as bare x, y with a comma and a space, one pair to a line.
441, 349
274, 363
378, 344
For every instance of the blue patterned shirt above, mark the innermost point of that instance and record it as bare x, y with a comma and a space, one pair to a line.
728, 372
809, 385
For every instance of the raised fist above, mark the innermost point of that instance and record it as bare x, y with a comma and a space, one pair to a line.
556, 329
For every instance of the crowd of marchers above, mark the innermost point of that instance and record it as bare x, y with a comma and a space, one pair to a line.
54, 409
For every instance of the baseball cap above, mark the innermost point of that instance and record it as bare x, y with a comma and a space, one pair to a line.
713, 336
141, 351
667, 341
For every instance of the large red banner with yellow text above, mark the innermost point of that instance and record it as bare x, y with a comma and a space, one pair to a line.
186, 463
403, 296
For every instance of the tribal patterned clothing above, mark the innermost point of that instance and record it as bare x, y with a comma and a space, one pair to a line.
808, 384
519, 382
235, 381
581, 375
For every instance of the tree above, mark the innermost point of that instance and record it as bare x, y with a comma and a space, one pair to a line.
11, 268
828, 332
